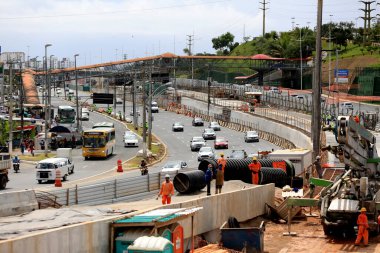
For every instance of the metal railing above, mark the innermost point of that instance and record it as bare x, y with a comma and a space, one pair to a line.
126, 189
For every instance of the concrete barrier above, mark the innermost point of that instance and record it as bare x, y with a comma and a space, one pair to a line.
94, 236
13, 203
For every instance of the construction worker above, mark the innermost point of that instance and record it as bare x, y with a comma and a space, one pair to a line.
318, 167
208, 178
255, 168
222, 161
219, 179
362, 227
356, 118
167, 190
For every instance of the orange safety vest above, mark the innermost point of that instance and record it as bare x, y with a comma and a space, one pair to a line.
255, 168
167, 188
362, 220
223, 162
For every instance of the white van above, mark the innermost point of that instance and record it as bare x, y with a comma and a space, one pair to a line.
46, 169
347, 105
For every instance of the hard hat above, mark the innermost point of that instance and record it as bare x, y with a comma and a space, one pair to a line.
221, 154
167, 176
318, 157
254, 158
363, 209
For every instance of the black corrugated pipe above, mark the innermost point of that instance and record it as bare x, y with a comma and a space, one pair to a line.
189, 181
237, 169
273, 175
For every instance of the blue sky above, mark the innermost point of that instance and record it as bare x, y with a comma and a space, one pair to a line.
105, 30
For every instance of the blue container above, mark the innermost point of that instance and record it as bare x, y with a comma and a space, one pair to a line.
125, 239
151, 244
237, 238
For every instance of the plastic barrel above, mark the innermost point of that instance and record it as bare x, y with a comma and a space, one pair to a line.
189, 181
237, 169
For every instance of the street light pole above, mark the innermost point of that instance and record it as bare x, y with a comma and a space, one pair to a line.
301, 81
47, 113
76, 89
10, 143
316, 123
49, 91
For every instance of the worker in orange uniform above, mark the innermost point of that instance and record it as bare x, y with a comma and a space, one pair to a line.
222, 161
167, 190
255, 167
363, 227
356, 118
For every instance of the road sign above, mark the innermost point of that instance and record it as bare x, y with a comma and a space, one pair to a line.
102, 98
342, 72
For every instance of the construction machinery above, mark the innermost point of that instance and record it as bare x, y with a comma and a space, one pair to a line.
342, 199
5, 165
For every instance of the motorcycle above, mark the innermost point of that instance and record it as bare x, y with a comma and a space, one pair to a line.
16, 167
144, 170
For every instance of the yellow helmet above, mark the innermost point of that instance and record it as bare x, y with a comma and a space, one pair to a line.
254, 158
221, 154
363, 209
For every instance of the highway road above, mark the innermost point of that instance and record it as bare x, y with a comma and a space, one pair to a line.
178, 144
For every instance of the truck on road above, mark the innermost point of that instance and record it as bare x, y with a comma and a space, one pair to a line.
5, 165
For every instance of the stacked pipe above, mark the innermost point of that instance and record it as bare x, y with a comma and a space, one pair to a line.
189, 181
237, 169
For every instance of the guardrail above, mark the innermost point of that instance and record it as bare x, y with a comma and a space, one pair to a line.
127, 189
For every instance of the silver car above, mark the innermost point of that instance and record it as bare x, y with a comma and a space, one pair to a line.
206, 152
174, 166
251, 136
177, 126
197, 143
214, 125
209, 134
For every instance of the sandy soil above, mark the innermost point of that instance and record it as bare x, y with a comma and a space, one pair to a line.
310, 238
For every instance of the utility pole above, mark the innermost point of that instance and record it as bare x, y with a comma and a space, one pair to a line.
114, 95
316, 123
76, 89
144, 113
135, 119
47, 113
124, 82
367, 18
2, 88
190, 44
150, 95
10, 143
330, 54
300, 40
49, 91
21, 96
264, 8
336, 74
293, 23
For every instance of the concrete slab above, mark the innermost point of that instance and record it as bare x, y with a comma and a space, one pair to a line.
17, 202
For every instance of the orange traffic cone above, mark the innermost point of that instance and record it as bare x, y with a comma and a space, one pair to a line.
119, 166
58, 182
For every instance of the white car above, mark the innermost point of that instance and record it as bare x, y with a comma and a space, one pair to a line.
214, 125
251, 136
71, 92
206, 152
46, 169
174, 166
154, 107
128, 133
131, 141
196, 143
119, 101
85, 116
209, 134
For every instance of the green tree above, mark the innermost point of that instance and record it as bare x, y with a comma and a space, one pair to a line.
224, 44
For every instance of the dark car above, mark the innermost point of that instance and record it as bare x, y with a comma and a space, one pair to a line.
177, 126
197, 122
238, 154
220, 142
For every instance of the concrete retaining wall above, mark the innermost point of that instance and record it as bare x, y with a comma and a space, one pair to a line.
94, 236
13, 203
299, 139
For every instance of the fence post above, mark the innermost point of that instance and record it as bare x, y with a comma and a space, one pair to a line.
76, 194
67, 196
115, 188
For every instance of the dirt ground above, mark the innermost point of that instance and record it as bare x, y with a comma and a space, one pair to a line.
310, 238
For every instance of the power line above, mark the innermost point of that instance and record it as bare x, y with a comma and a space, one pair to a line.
264, 8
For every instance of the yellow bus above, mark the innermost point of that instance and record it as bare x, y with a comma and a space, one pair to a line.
99, 142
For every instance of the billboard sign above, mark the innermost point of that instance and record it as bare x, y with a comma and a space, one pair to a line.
341, 72
102, 98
